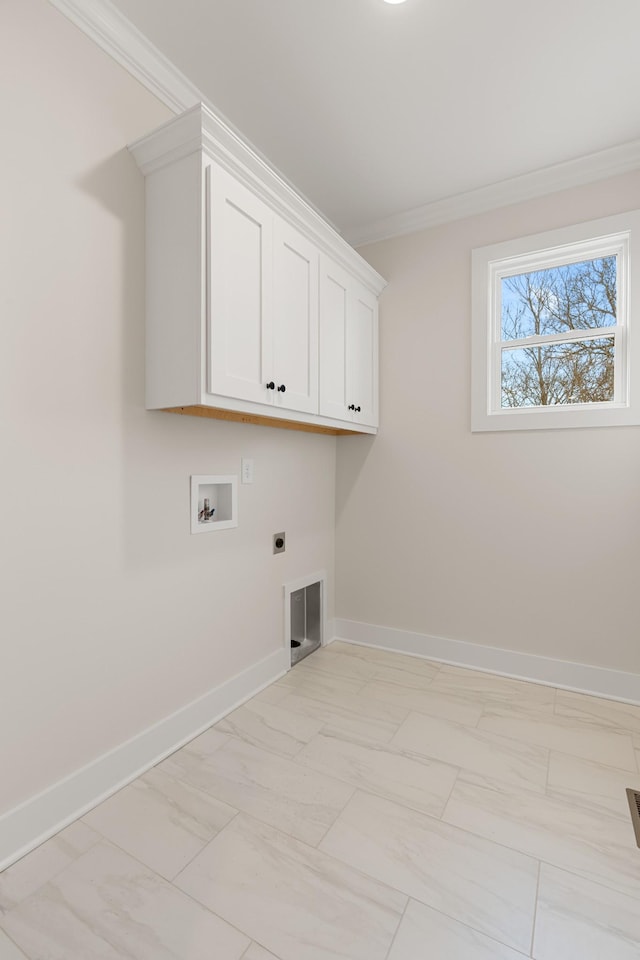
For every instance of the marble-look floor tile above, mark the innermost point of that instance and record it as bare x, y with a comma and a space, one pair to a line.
360, 664
607, 714
576, 838
330, 660
480, 883
161, 820
8, 949
426, 932
271, 727
256, 952
418, 666
355, 702
475, 750
272, 789
489, 688
521, 710
590, 784
346, 720
272, 694
206, 744
28, 874
564, 734
404, 677
310, 682
294, 900
580, 920
415, 781
357, 669
459, 709
107, 906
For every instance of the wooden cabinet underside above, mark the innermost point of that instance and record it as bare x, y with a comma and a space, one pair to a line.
215, 413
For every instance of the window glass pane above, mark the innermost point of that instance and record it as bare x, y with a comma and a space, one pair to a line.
558, 373
575, 296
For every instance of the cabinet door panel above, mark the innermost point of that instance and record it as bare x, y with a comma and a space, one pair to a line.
362, 355
240, 292
295, 319
334, 303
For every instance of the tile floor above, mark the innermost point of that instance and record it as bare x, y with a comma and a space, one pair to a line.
368, 806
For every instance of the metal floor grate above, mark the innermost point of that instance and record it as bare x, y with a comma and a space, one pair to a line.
633, 796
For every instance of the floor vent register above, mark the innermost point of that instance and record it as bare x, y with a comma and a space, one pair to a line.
633, 796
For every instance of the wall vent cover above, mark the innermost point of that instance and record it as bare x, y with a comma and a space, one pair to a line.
633, 796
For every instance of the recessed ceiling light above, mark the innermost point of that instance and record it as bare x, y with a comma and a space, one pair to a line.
394, 1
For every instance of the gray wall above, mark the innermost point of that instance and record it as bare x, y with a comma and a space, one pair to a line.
528, 541
112, 615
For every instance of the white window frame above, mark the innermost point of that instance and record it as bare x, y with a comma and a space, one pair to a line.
619, 236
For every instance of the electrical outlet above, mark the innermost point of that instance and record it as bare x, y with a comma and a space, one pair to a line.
247, 470
279, 542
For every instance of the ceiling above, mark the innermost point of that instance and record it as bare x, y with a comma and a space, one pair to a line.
373, 109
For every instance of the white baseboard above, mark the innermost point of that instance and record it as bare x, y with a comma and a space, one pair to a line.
581, 677
25, 827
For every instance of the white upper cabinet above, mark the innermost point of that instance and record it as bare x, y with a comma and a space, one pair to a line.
295, 319
263, 301
240, 301
256, 308
362, 356
335, 285
348, 347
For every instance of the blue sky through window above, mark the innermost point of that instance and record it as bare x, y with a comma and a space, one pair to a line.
574, 296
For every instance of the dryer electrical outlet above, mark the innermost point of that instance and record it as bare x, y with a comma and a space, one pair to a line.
279, 543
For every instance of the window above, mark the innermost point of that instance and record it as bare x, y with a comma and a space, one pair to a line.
554, 337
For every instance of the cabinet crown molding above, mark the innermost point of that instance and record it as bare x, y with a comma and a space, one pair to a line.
199, 130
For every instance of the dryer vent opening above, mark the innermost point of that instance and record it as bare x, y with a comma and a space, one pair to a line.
306, 621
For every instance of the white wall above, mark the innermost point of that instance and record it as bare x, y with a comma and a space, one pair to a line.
112, 615
525, 541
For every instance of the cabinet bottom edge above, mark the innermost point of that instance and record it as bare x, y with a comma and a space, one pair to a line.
217, 413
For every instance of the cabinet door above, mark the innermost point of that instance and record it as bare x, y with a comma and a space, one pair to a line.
362, 355
335, 284
295, 319
348, 347
240, 307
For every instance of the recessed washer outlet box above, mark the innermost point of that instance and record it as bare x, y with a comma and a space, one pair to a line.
306, 621
279, 542
305, 615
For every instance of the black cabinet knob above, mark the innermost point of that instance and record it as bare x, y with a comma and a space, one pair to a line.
281, 388
357, 409
351, 406
271, 385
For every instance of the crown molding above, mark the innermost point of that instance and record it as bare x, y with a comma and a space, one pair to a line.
199, 130
561, 176
116, 35
103, 23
